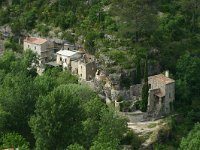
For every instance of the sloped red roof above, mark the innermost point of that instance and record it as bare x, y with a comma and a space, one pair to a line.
162, 78
35, 40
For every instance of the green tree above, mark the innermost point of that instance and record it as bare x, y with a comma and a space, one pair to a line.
145, 89
17, 99
59, 115
93, 110
132, 139
3, 120
65, 77
192, 10
138, 16
90, 42
75, 147
188, 84
110, 134
14, 140
192, 141
6, 60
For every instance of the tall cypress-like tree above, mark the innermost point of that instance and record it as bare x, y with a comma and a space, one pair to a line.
145, 88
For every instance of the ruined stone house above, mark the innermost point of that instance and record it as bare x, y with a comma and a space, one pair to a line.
86, 70
78, 63
87, 67
161, 95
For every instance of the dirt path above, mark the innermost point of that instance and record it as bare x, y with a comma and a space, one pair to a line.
147, 129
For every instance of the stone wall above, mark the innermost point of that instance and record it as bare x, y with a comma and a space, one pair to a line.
169, 96
116, 94
74, 67
86, 71
90, 70
135, 91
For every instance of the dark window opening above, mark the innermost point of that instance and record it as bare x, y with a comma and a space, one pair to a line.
149, 86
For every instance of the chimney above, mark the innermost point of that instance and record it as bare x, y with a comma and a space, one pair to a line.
167, 73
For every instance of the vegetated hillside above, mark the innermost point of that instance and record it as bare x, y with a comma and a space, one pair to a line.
171, 27
129, 32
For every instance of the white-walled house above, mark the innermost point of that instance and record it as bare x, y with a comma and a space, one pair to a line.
65, 57
40, 46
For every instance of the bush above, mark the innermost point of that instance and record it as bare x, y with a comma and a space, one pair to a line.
132, 139
125, 106
14, 140
192, 141
75, 147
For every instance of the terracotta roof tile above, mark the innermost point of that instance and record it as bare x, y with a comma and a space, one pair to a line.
35, 40
162, 78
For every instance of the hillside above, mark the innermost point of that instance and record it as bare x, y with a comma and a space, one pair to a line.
146, 36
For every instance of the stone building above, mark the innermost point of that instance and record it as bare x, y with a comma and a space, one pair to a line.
161, 95
69, 46
86, 70
78, 63
40, 46
65, 58
87, 67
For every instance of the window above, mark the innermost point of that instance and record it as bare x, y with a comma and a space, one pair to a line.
98, 72
35, 47
149, 86
28, 46
60, 58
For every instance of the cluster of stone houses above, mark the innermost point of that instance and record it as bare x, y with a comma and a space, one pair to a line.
69, 57
160, 99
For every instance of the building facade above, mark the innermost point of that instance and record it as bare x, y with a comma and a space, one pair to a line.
161, 95
40, 46
65, 57
77, 63
86, 70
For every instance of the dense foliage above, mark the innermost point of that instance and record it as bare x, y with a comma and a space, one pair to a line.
167, 32
52, 111
14, 140
192, 141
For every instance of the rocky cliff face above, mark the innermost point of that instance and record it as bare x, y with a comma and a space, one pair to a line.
121, 83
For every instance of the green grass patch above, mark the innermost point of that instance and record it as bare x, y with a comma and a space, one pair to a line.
152, 125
